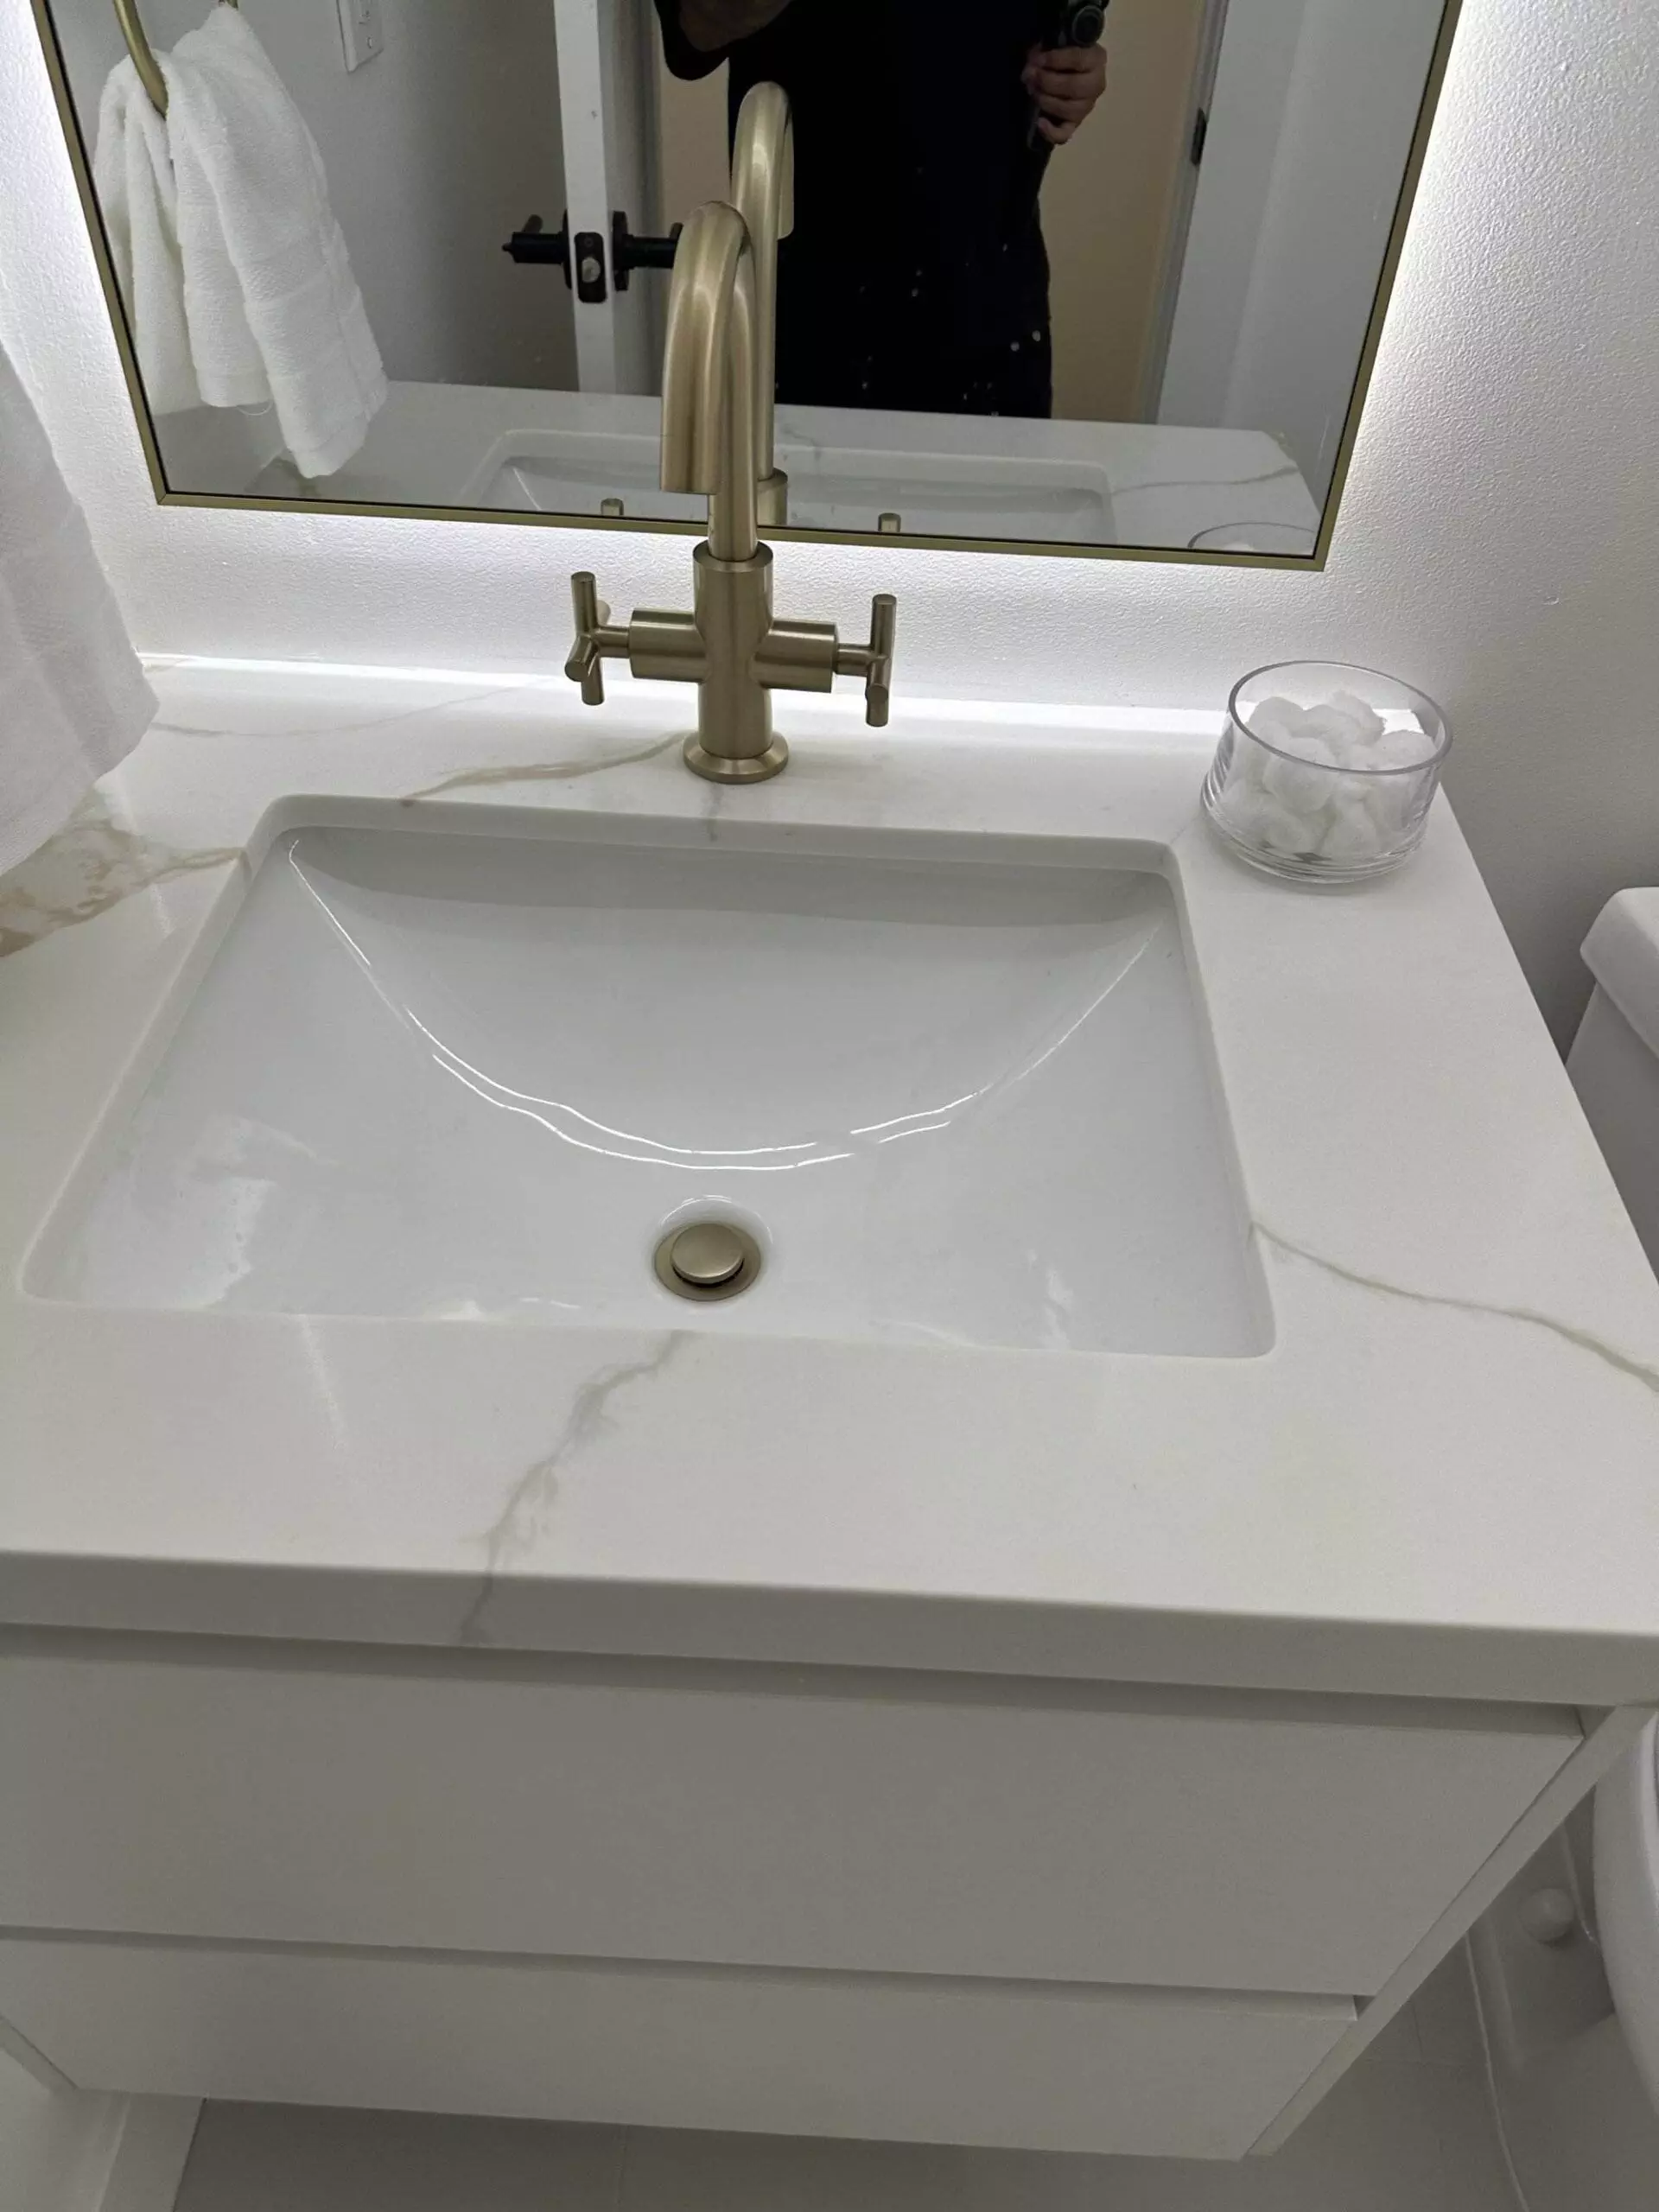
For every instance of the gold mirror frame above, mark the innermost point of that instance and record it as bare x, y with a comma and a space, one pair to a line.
1302, 563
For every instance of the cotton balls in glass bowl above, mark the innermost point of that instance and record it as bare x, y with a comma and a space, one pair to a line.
1325, 772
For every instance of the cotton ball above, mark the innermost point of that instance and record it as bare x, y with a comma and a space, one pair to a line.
1353, 731
1365, 721
1242, 808
1247, 765
1384, 795
1260, 820
1410, 747
1304, 784
1334, 728
1392, 800
1279, 721
1288, 833
1352, 833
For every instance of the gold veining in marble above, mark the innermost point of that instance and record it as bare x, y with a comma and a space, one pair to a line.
91, 864
1621, 1362
540, 771
523, 1519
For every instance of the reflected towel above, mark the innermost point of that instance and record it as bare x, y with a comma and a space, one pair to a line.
73, 697
234, 269
133, 171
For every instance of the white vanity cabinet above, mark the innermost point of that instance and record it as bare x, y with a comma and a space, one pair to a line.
944, 1907
1076, 1749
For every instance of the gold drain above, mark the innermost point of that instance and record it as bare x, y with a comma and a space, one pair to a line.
708, 1259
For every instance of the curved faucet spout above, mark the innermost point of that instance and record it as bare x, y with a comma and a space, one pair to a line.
730, 645
708, 377
763, 192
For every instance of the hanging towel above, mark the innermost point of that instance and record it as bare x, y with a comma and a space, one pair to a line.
133, 171
73, 697
220, 219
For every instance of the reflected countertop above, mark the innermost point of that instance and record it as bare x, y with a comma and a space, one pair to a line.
1155, 484
1441, 1479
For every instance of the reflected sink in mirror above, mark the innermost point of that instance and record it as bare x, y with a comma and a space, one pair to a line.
440, 1073
944, 494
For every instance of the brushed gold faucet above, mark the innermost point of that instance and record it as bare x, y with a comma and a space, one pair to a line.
730, 648
763, 192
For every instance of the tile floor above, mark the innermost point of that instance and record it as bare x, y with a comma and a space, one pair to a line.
1408, 2130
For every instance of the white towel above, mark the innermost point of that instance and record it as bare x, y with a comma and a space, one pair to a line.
222, 232
133, 171
73, 697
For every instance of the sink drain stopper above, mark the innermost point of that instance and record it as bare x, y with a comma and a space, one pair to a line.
708, 1259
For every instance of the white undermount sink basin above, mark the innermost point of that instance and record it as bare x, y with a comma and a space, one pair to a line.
446, 1073
934, 494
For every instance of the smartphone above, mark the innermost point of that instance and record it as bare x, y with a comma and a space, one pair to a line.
1075, 22
1078, 22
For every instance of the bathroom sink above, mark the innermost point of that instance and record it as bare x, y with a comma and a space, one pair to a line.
574, 472
942, 494
951, 495
439, 1072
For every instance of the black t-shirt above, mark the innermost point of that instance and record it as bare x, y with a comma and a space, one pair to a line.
915, 276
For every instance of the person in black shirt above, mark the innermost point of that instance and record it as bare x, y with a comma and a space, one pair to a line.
916, 276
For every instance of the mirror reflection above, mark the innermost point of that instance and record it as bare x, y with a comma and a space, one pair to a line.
1074, 273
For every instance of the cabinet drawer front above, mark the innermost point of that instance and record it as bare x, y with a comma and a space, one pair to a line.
1046, 2068
753, 1817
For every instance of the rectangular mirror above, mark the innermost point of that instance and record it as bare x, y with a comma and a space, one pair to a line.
1074, 275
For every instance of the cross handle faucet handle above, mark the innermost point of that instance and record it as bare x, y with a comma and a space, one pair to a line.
873, 662
597, 640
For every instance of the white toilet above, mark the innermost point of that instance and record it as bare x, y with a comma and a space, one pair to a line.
1614, 1063
1575, 2082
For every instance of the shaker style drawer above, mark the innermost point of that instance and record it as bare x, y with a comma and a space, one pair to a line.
749, 1815
1028, 2065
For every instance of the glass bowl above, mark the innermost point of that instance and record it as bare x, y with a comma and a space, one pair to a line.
1325, 772
1256, 537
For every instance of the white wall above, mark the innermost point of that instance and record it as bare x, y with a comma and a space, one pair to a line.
1315, 108
55, 2149
1247, 109
1355, 93
1498, 543
436, 151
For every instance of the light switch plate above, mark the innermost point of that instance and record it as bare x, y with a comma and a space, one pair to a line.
360, 31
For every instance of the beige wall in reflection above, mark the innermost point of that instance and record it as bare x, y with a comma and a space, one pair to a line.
692, 159
1107, 204
1107, 208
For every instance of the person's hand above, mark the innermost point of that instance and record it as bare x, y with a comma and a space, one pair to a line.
1066, 83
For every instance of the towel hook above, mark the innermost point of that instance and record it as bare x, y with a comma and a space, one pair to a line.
143, 55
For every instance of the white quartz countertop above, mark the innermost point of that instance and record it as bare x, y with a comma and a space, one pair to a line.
1443, 1479
438, 445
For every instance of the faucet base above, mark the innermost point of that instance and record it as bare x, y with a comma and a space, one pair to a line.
719, 769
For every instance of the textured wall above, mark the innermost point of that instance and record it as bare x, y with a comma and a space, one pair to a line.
1499, 545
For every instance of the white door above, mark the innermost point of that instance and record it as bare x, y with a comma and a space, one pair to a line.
608, 113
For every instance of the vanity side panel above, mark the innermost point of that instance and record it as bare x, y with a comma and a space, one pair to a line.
1607, 1736
1060, 2068
766, 1817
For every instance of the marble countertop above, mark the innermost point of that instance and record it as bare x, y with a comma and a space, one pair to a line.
433, 444
1442, 1479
